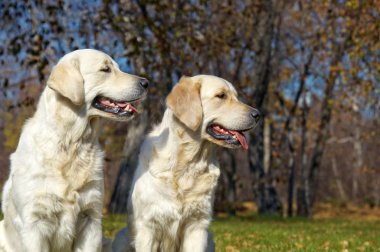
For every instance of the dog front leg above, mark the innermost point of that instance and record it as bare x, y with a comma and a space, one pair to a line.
195, 239
89, 238
36, 237
145, 240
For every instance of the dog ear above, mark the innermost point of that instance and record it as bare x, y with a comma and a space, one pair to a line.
185, 102
67, 80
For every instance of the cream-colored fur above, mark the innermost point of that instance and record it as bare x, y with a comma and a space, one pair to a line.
53, 198
171, 199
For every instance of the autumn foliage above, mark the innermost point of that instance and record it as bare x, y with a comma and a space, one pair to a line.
311, 67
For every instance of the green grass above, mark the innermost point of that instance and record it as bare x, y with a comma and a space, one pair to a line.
264, 234
276, 234
268, 234
112, 224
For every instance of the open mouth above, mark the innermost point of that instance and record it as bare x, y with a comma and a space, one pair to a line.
235, 137
119, 108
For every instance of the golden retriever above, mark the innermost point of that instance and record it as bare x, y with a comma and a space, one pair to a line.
53, 198
171, 199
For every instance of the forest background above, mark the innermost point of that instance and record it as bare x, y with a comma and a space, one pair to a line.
311, 67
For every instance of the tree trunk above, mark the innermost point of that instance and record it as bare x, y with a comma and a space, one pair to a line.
303, 204
137, 129
266, 197
322, 136
338, 181
359, 161
231, 185
326, 111
267, 146
287, 136
376, 192
291, 178
327, 104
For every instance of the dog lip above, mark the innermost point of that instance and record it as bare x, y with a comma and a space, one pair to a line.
218, 136
226, 138
215, 135
210, 125
117, 100
117, 110
229, 136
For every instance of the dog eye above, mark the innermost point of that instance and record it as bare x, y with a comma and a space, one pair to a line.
106, 69
221, 96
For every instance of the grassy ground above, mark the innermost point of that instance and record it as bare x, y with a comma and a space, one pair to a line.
276, 234
268, 234
264, 234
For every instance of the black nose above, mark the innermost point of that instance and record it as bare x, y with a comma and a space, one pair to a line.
144, 83
256, 114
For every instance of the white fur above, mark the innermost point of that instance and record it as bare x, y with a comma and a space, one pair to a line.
171, 199
53, 198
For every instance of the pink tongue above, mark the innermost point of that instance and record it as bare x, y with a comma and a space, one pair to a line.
241, 139
105, 101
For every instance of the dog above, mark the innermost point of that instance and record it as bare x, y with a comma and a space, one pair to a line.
172, 193
53, 198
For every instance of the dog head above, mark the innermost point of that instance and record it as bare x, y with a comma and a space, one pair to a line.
93, 79
209, 104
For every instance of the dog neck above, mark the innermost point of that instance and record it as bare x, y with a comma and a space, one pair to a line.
69, 122
69, 135
183, 147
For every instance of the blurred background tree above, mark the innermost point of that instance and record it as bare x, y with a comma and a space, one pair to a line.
311, 67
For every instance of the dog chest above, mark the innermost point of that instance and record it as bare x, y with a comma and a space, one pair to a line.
55, 208
193, 194
197, 182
